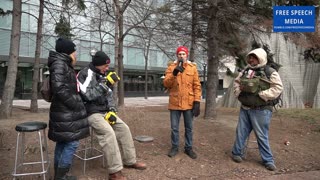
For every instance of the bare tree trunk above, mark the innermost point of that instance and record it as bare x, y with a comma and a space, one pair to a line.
10, 83
146, 57
120, 57
193, 30
116, 48
35, 78
121, 35
213, 79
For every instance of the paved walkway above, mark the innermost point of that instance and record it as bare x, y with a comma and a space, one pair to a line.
130, 101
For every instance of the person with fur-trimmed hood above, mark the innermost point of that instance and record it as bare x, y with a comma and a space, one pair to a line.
256, 87
183, 83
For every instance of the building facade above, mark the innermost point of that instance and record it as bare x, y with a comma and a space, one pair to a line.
133, 54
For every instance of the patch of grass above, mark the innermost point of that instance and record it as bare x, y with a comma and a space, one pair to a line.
310, 115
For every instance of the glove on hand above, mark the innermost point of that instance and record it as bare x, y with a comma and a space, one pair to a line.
177, 70
196, 108
113, 109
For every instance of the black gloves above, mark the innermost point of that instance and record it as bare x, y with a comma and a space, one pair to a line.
196, 108
113, 109
177, 70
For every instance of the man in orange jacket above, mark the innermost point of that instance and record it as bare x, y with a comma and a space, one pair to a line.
182, 81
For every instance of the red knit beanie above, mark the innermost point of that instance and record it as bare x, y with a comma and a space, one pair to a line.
182, 48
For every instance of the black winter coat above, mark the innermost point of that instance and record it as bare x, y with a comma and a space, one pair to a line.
68, 116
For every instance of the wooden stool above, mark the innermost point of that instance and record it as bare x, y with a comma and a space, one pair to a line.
89, 152
22, 129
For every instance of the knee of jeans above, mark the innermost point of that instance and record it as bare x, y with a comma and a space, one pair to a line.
175, 128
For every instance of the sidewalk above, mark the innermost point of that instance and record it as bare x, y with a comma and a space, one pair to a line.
130, 101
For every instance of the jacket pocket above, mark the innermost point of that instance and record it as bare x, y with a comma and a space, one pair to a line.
190, 77
174, 99
191, 98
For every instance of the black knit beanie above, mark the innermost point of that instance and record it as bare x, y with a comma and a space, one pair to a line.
100, 58
65, 46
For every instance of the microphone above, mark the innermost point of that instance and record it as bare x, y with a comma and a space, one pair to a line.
180, 62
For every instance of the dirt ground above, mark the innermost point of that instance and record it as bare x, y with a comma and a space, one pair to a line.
213, 140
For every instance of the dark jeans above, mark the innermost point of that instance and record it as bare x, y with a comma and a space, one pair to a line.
175, 120
63, 153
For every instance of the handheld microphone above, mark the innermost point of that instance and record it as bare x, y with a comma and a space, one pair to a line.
180, 62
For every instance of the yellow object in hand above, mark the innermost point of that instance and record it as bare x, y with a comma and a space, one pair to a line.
110, 117
112, 78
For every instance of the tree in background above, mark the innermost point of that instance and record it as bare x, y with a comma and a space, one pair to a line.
133, 19
10, 83
36, 65
63, 28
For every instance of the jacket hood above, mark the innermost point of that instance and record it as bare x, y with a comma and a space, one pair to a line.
262, 57
54, 56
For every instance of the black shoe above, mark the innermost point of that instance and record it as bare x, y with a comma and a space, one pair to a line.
61, 174
270, 167
191, 153
174, 151
237, 159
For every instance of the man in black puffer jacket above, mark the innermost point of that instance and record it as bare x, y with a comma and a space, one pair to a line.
68, 117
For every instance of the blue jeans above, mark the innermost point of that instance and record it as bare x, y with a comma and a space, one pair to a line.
175, 120
257, 120
63, 153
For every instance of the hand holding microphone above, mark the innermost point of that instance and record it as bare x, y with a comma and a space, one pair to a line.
179, 68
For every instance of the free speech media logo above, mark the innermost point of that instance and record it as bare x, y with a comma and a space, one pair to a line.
294, 19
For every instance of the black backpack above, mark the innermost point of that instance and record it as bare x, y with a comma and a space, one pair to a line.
46, 90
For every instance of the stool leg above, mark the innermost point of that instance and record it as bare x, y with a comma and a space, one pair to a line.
47, 152
41, 154
85, 156
17, 154
23, 140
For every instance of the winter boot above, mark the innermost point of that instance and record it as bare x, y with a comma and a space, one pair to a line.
173, 151
61, 174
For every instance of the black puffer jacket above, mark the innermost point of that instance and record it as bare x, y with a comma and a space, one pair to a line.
68, 117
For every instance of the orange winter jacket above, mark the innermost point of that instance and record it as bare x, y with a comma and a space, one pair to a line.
185, 88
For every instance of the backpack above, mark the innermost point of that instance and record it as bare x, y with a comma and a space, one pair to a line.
45, 89
269, 70
252, 86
